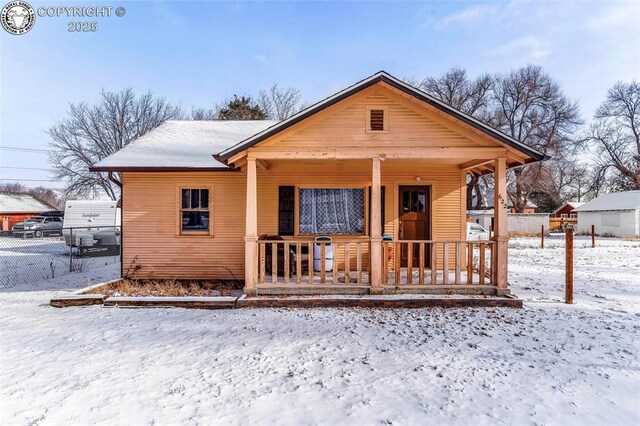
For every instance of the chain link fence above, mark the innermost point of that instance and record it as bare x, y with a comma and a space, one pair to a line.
27, 256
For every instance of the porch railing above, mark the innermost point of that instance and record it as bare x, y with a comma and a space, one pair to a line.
292, 262
438, 262
404, 262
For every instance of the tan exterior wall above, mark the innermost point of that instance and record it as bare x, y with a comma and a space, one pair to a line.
150, 215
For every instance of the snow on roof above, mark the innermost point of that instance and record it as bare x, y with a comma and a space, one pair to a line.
572, 204
21, 203
183, 144
629, 200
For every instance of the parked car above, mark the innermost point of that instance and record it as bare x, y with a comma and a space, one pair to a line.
475, 232
38, 226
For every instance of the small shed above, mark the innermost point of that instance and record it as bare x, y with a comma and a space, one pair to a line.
567, 210
17, 206
616, 214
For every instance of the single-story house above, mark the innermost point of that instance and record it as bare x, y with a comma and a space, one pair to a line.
616, 214
380, 168
567, 210
16, 207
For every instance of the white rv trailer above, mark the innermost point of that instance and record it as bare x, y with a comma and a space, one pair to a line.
92, 226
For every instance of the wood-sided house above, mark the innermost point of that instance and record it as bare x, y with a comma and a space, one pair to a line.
380, 167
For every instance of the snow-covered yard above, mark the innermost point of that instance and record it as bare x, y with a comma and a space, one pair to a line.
548, 363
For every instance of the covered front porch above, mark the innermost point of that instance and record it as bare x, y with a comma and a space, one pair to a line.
369, 263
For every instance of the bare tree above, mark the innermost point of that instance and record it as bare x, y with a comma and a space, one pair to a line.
203, 114
470, 96
93, 132
458, 90
531, 107
280, 103
614, 136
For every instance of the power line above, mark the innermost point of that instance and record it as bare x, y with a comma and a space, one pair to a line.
31, 180
19, 149
25, 168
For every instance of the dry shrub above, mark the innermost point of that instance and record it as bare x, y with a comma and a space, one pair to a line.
169, 288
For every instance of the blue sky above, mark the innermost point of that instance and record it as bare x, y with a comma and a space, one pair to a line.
198, 53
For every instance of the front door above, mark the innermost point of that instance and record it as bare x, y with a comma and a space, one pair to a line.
414, 218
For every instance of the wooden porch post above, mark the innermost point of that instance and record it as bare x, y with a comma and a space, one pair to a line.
376, 230
251, 230
501, 229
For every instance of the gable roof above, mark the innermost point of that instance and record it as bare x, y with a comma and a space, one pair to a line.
572, 204
378, 77
18, 202
629, 200
182, 145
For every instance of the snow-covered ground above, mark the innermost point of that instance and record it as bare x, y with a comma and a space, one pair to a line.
26, 260
549, 363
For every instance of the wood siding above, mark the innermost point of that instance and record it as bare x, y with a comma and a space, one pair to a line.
152, 246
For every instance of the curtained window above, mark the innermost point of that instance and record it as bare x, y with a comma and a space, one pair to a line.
331, 211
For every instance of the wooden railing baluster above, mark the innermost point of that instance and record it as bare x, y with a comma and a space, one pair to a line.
469, 263
322, 264
274, 263
347, 264
263, 260
421, 264
287, 267
481, 269
445, 263
409, 263
298, 262
359, 262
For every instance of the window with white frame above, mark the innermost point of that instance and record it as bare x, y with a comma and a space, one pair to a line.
194, 210
331, 211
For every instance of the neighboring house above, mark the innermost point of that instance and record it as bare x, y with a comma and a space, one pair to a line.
518, 223
616, 214
566, 210
16, 207
245, 199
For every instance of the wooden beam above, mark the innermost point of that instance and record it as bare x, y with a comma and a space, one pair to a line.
262, 164
475, 163
251, 230
376, 228
355, 152
500, 222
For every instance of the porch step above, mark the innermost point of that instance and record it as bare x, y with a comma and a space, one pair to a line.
286, 290
393, 301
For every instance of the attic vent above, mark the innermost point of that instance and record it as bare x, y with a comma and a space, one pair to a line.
376, 120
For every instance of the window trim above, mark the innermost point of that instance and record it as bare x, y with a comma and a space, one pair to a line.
297, 232
385, 119
179, 231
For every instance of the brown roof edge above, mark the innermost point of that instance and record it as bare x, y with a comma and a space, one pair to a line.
159, 169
